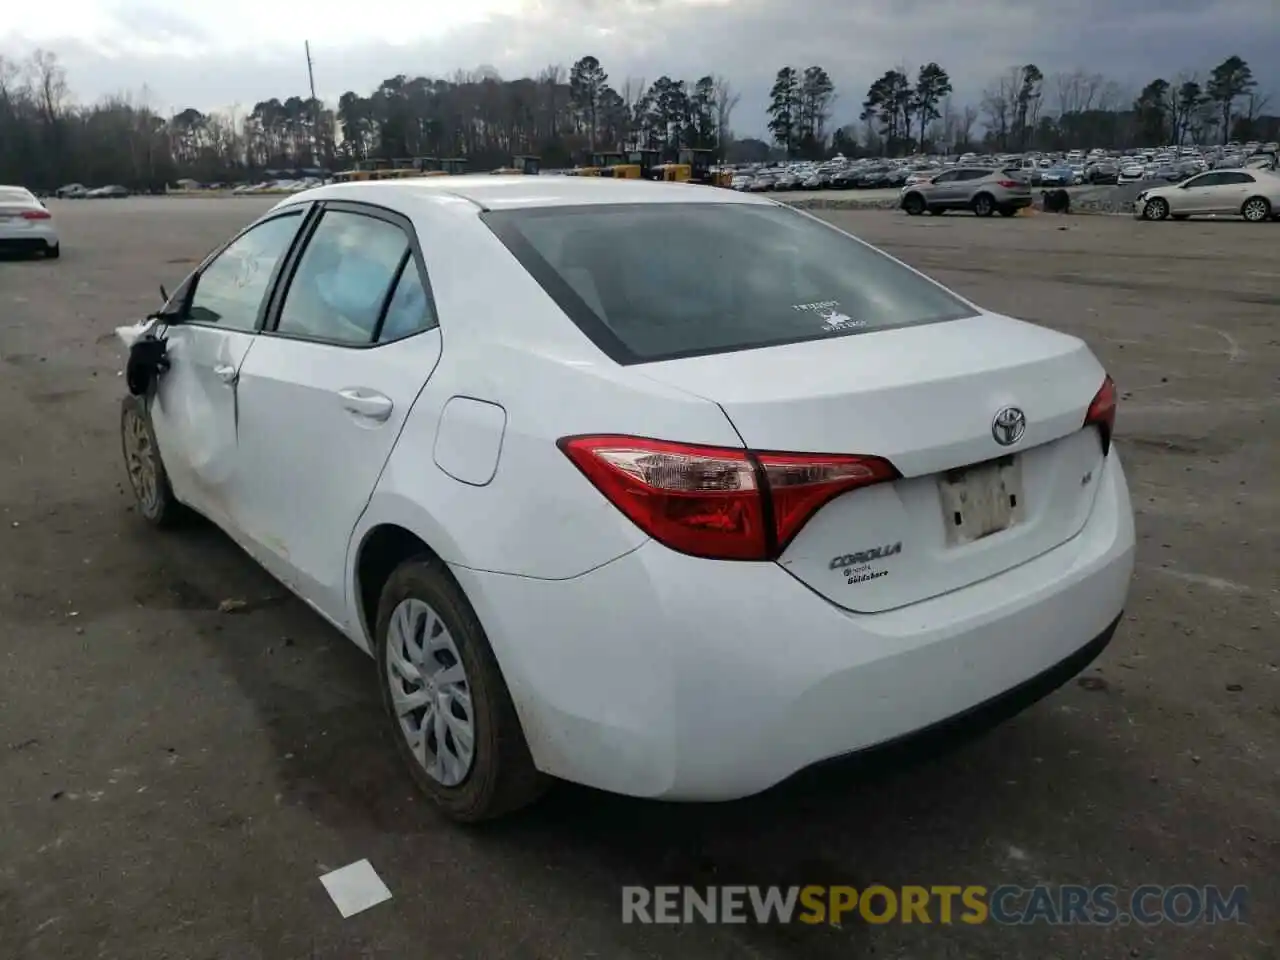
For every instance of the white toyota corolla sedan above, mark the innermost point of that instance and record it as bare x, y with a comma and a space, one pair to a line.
668, 490
26, 225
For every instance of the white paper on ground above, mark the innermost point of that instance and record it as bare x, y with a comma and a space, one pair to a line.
355, 887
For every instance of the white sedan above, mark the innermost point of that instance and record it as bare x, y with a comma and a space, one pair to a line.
667, 490
1251, 194
26, 225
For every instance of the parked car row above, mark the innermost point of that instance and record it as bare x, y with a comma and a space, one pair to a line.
78, 191
1062, 169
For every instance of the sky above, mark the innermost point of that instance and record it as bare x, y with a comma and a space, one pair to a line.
213, 55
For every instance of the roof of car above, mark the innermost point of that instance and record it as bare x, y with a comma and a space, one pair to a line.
506, 192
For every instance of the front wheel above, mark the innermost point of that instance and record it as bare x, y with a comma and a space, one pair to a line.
913, 204
451, 714
1256, 209
984, 205
147, 477
1156, 208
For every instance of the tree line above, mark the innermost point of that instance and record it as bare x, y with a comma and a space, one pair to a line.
48, 139
1023, 109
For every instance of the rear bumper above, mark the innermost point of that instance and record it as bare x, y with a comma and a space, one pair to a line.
661, 675
35, 239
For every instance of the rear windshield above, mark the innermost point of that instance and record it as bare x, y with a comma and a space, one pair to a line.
651, 282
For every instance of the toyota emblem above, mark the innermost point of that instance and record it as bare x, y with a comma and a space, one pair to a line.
1009, 425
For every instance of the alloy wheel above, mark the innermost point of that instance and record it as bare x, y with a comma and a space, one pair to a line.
430, 692
140, 460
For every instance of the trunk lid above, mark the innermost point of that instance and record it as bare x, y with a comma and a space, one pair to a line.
924, 398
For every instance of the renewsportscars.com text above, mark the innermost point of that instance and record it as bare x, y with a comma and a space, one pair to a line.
1061, 904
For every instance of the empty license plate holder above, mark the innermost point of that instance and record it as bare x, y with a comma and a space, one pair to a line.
981, 500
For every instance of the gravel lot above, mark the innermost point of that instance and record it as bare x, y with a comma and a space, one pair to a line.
174, 779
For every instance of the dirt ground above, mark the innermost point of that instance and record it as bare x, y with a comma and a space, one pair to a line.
174, 779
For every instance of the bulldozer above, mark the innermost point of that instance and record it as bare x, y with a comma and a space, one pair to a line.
529, 166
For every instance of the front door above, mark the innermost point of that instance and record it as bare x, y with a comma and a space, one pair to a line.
195, 409
325, 391
1195, 196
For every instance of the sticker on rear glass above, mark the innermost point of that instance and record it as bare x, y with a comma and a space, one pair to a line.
829, 312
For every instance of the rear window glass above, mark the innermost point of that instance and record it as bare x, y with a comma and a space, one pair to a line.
651, 282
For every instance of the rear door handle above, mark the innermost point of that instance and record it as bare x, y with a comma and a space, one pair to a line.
366, 403
225, 372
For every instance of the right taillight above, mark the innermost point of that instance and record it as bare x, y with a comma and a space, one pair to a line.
724, 503
36, 215
1102, 413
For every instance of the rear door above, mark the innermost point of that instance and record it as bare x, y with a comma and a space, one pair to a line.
1230, 195
348, 345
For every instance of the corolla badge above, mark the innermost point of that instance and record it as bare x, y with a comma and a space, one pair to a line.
1009, 425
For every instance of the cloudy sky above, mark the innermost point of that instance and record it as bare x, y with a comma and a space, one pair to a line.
211, 55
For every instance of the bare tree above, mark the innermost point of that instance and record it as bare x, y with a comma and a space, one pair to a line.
998, 105
964, 127
726, 100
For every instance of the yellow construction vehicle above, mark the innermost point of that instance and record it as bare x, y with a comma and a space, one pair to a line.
527, 165
365, 170
602, 164
637, 165
694, 166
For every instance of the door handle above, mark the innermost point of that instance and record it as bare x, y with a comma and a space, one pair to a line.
366, 403
225, 372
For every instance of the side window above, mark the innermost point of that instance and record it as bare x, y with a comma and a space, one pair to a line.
1235, 179
947, 177
229, 291
409, 310
343, 278
1206, 180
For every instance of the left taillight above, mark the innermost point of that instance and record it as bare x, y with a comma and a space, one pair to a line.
1102, 413
723, 503
36, 215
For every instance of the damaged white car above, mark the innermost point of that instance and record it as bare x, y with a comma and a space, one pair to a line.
667, 490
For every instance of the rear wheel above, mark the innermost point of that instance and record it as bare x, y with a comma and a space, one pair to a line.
147, 477
913, 204
54, 252
451, 714
984, 205
1256, 209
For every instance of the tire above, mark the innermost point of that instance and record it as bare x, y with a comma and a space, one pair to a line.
54, 252
144, 466
914, 204
984, 205
1156, 208
1256, 210
1008, 211
499, 776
